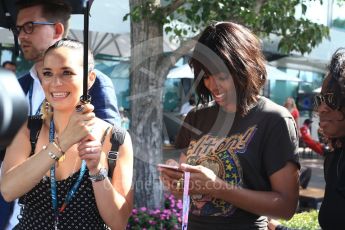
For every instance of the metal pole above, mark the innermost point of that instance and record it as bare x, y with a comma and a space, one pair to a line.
86, 53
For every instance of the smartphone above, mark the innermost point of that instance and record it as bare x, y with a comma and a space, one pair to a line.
172, 167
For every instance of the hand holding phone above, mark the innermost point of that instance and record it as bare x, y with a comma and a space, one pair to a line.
172, 167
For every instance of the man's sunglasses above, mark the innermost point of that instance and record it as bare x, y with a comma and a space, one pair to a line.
328, 98
28, 27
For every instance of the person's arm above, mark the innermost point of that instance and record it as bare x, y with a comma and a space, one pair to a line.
114, 197
103, 97
280, 202
21, 172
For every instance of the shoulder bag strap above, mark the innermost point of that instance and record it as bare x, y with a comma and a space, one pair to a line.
117, 138
34, 125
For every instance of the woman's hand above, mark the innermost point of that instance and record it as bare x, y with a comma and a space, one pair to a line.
202, 180
170, 177
79, 126
91, 151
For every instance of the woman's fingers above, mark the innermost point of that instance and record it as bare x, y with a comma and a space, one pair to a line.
171, 173
84, 108
88, 145
172, 184
191, 168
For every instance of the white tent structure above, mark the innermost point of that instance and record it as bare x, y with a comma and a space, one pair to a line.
317, 90
109, 34
183, 71
273, 73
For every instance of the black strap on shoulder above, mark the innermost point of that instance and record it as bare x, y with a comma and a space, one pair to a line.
34, 125
117, 138
25, 81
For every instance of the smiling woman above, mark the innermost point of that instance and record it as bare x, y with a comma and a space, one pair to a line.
71, 150
238, 172
62, 73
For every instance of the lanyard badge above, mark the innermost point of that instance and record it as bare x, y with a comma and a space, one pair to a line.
186, 201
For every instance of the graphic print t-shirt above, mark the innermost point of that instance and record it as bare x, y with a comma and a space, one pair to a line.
243, 151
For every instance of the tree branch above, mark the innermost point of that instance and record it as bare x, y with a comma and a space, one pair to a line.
259, 4
169, 9
168, 61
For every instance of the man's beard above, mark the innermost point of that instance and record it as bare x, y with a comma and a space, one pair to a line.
34, 55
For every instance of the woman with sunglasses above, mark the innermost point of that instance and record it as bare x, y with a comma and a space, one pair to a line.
330, 105
331, 109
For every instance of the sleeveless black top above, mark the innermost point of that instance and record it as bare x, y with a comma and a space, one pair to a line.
80, 213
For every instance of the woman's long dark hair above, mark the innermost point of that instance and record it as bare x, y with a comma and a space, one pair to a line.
240, 50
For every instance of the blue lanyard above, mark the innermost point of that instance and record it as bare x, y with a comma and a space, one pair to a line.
71, 192
30, 100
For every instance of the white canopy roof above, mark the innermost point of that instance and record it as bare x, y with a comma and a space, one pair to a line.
273, 73
183, 71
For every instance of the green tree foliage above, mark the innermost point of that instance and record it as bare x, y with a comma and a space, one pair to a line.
264, 17
303, 220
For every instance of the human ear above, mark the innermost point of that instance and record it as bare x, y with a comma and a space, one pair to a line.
92, 77
59, 30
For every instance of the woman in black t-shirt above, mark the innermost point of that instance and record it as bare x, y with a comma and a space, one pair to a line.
240, 148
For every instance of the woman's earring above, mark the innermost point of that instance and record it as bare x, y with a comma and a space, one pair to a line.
47, 106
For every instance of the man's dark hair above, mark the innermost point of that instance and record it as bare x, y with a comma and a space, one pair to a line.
8, 63
240, 50
52, 10
307, 121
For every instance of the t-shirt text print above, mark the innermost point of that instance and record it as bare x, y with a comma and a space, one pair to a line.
220, 154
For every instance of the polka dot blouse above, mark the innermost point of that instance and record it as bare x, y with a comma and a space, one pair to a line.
81, 212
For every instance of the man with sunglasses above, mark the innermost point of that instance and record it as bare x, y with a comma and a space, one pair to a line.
40, 23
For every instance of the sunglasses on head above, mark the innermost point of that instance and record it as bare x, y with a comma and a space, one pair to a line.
329, 99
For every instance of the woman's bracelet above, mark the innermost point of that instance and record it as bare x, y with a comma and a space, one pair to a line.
51, 154
56, 142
